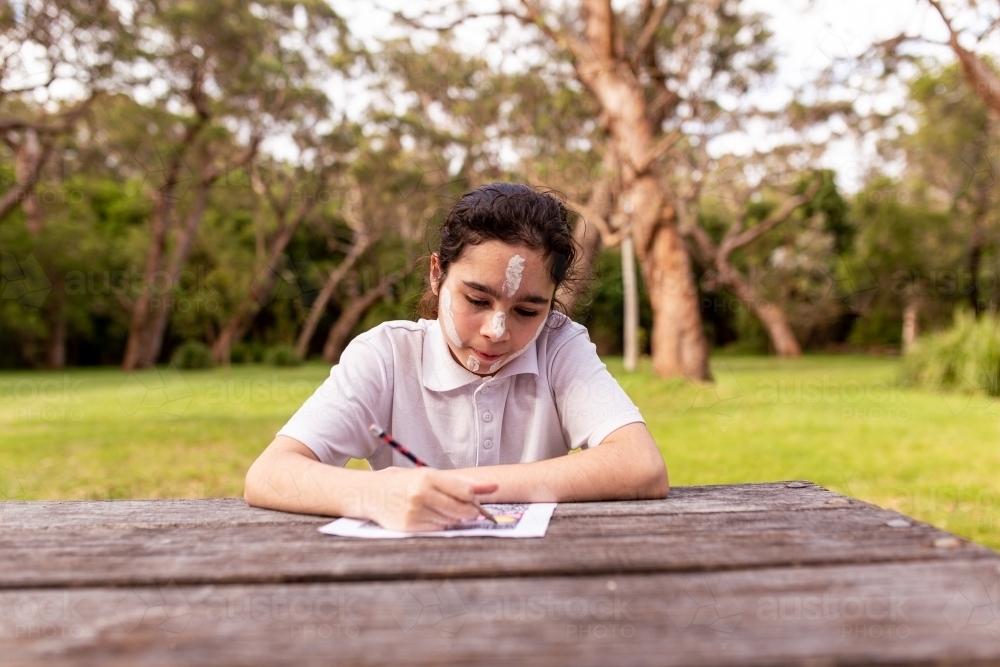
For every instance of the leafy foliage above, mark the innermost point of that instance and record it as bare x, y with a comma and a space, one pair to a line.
964, 358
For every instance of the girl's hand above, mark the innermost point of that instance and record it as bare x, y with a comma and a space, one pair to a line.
423, 499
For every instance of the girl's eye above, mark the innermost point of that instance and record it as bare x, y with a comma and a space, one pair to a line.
526, 313
478, 303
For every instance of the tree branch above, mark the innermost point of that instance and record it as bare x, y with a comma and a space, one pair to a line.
649, 30
778, 216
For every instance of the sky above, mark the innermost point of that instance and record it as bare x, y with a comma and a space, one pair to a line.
808, 34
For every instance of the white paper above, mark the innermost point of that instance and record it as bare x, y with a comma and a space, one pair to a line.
513, 520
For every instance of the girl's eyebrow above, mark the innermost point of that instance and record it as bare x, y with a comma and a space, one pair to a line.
529, 298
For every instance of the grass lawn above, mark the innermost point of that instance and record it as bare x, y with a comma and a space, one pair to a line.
836, 420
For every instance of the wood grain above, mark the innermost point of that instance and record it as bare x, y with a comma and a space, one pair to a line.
295, 551
920, 613
21, 515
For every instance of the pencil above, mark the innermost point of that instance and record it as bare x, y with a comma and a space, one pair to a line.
380, 433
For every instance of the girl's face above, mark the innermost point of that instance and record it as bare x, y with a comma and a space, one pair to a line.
493, 303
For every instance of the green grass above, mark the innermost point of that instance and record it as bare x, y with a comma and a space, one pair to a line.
840, 421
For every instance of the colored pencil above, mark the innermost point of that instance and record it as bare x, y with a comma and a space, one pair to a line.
380, 433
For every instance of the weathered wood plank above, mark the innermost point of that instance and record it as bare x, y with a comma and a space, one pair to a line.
879, 614
274, 552
21, 515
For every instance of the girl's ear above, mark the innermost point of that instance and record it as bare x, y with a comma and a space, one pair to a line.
435, 276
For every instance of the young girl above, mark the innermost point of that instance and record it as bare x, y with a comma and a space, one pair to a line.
491, 387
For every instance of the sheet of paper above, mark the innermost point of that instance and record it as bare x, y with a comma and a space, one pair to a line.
513, 520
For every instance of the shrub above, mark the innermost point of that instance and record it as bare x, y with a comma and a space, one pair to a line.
246, 353
964, 358
282, 355
192, 354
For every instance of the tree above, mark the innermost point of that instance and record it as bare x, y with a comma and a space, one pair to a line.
78, 44
291, 195
651, 71
231, 68
717, 257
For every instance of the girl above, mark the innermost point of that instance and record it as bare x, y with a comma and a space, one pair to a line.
491, 387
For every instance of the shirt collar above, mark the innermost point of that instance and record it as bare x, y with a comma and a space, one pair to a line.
442, 373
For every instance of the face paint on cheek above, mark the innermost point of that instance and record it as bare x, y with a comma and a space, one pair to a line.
499, 320
512, 278
497, 365
448, 318
472, 363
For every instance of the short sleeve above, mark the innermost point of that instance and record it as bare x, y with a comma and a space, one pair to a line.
334, 421
590, 401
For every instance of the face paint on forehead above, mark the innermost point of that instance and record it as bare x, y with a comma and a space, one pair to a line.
512, 278
448, 318
497, 365
499, 320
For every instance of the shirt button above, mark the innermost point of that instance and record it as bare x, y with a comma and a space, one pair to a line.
487, 443
487, 416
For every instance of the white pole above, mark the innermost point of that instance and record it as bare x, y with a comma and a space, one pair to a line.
630, 294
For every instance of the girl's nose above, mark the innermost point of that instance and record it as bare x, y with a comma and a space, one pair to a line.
495, 328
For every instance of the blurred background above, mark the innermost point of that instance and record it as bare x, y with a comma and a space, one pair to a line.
789, 209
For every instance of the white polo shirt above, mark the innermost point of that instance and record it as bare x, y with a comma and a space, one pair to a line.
555, 397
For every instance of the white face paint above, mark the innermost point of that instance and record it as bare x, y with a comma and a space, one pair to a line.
448, 318
499, 320
472, 363
512, 278
497, 365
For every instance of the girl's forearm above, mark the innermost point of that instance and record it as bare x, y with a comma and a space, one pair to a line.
612, 471
291, 482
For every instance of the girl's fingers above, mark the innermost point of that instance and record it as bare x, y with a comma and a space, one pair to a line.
447, 506
464, 489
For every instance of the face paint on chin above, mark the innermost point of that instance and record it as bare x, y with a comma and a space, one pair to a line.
497, 365
447, 318
472, 363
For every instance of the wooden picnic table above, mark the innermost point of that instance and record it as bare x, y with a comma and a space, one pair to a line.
782, 573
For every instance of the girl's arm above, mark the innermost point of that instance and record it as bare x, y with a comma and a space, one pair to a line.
627, 465
287, 476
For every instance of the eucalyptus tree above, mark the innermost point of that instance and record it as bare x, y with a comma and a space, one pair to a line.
55, 59
649, 71
235, 75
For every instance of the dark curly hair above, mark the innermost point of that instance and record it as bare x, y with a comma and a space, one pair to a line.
512, 213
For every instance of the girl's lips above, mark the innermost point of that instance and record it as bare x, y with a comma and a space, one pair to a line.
486, 357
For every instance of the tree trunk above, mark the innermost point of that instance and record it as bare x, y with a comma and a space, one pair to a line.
911, 324
630, 295
139, 325
164, 306
260, 291
336, 340
678, 341
323, 298
587, 234
974, 258
55, 353
771, 316
140, 329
